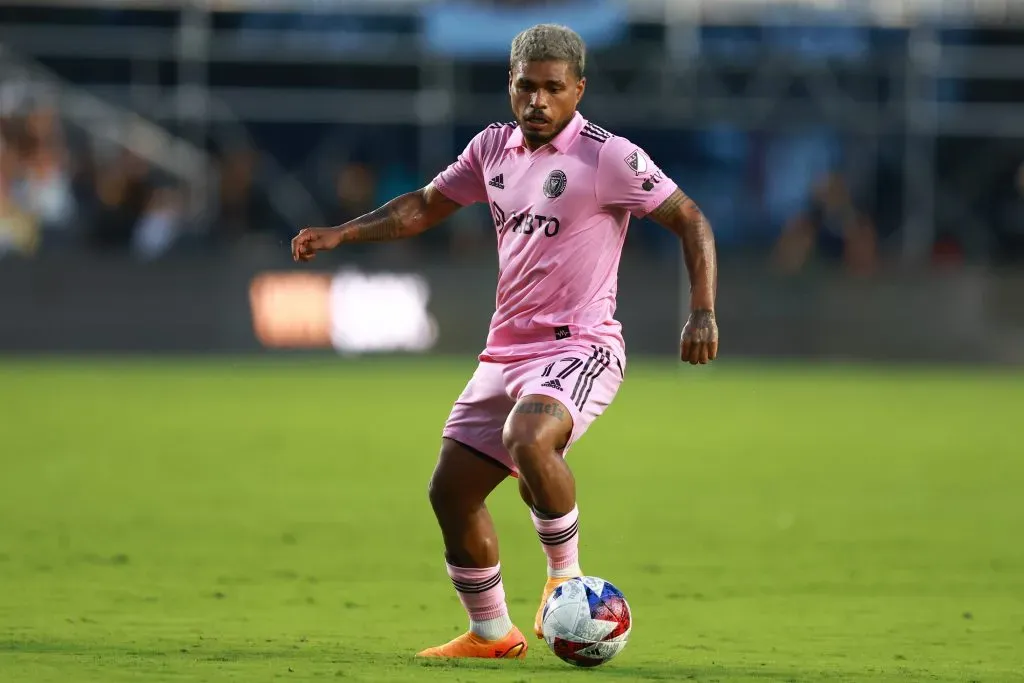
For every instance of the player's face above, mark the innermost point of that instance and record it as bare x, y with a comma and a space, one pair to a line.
544, 98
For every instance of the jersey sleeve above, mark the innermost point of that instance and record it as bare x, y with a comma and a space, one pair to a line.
628, 179
463, 180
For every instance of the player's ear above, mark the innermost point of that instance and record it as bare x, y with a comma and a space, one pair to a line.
581, 86
510, 82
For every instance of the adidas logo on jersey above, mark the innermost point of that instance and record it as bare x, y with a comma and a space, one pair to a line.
553, 384
498, 181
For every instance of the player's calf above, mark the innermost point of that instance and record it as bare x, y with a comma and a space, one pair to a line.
533, 434
536, 429
458, 490
459, 486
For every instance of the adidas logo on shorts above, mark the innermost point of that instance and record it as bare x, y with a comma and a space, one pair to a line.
553, 384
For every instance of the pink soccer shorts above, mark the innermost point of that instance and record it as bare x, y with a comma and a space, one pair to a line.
583, 378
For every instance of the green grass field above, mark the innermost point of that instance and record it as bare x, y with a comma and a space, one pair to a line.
259, 520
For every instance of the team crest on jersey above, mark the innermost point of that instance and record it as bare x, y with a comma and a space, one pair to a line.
638, 162
554, 186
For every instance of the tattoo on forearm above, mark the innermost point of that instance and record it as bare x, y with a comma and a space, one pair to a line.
681, 215
538, 408
377, 226
397, 219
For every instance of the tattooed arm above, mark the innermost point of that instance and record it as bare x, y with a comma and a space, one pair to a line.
404, 216
681, 215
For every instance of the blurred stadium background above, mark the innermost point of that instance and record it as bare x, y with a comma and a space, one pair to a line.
181, 498
862, 164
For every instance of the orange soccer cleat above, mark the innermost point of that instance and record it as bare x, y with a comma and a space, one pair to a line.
470, 645
549, 588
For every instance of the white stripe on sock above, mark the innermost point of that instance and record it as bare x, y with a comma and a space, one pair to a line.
492, 629
569, 572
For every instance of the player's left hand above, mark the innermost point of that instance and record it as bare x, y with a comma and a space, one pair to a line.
698, 343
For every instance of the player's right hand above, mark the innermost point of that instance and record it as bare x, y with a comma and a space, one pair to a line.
309, 241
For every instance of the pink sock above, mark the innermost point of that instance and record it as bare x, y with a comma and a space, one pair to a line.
560, 539
483, 596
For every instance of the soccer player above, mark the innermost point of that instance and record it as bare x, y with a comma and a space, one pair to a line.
561, 191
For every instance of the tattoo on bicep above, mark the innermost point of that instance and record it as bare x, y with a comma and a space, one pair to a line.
538, 408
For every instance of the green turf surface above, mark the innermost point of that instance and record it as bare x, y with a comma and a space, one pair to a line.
255, 521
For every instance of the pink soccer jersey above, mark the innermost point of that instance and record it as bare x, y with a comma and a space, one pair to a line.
560, 214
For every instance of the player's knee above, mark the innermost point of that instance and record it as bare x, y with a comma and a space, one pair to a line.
525, 444
440, 488
460, 481
436, 493
516, 439
446, 498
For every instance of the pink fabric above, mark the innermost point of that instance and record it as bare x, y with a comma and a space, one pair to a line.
560, 214
584, 379
560, 538
480, 591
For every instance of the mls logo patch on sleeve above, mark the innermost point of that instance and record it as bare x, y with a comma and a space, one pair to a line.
638, 162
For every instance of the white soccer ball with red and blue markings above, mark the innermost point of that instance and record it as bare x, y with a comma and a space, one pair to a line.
586, 621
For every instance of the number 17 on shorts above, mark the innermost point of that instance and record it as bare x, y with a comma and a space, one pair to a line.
584, 382
583, 379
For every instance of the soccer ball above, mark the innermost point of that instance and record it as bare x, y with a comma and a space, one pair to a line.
586, 621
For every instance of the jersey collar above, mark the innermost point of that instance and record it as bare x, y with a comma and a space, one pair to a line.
561, 142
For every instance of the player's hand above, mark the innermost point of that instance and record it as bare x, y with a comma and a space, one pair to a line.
309, 241
699, 342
